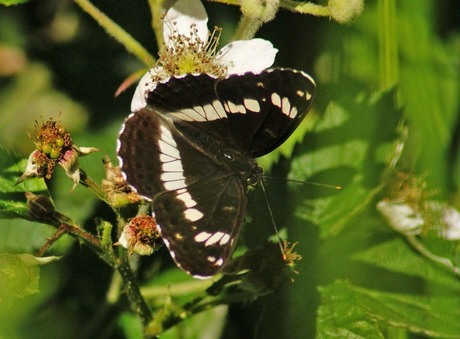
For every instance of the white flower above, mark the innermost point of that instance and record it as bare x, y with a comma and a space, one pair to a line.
450, 223
401, 217
184, 26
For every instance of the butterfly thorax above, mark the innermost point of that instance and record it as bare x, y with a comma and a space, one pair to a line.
232, 160
241, 164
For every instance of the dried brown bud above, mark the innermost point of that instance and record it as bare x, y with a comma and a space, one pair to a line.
40, 206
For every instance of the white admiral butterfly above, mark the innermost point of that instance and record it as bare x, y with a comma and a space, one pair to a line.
191, 152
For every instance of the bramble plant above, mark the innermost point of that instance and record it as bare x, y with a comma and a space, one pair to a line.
378, 258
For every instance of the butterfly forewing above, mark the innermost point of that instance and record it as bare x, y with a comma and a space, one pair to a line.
270, 105
253, 112
192, 99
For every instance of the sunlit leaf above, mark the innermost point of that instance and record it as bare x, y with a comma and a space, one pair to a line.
208, 324
395, 255
131, 326
12, 199
20, 274
350, 311
12, 2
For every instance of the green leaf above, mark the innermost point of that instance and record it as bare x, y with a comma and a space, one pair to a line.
19, 274
350, 311
208, 324
345, 149
131, 326
395, 255
18, 235
330, 225
12, 2
13, 203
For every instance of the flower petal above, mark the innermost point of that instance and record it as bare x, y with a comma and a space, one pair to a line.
247, 56
182, 16
125, 237
145, 84
451, 218
401, 217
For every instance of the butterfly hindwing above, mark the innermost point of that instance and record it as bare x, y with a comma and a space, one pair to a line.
139, 152
198, 201
200, 223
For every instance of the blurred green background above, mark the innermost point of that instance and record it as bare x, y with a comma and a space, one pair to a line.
398, 61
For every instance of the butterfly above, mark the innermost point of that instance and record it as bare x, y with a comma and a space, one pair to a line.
191, 151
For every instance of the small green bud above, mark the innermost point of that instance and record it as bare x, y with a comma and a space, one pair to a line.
46, 148
344, 11
59, 142
55, 153
263, 10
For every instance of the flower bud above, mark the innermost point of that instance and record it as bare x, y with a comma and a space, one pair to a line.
344, 11
40, 206
265, 269
263, 10
140, 235
401, 217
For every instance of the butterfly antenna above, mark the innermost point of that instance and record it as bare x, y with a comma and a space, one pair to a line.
336, 187
280, 242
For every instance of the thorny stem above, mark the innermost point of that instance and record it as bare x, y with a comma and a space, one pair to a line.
92, 186
305, 8
247, 28
117, 32
138, 303
66, 226
60, 232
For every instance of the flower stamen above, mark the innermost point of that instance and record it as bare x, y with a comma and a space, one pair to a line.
183, 54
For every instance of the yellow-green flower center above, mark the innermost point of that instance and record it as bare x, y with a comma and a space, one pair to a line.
189, 54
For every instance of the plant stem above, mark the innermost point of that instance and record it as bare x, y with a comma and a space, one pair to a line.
176, 289
247, 28
66, 225
305, 8
156, 8
92, 186
113, 293
136, 300
117, 32
388, 44
57, 235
